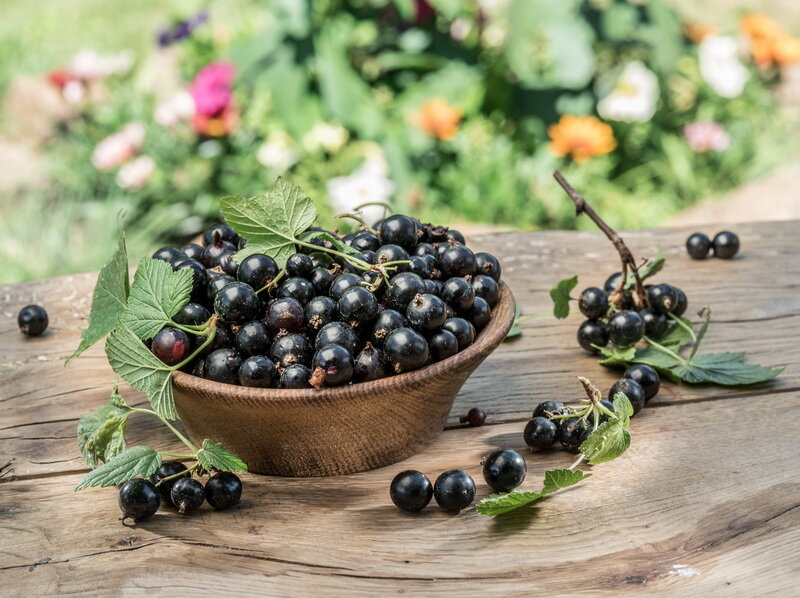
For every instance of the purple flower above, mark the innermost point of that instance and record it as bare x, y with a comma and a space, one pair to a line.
181, 30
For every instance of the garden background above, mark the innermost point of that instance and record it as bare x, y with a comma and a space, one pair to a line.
452, 110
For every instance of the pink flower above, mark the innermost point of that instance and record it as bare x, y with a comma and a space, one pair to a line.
211, 88
119, 147
706, 136
135, 173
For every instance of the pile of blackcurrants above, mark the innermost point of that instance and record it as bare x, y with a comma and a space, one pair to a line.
323, 321
173, 484
639, 383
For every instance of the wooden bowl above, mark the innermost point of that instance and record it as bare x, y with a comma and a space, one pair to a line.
334, 431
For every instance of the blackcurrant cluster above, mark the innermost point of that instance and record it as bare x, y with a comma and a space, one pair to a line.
639, 384
621, 319
172, 483
411, 294
32, 320
725, 245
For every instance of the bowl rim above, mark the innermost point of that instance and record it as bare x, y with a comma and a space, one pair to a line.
487, 340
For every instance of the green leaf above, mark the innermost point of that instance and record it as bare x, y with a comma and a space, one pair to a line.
677, 336
651, 268
560, 296
607, 442
556, 479
136, 461
325, 235
725, 369
272, 222
158, 292
615, 356
515, 330
141, 369
101, 434
109, 299
623, 408
215, 456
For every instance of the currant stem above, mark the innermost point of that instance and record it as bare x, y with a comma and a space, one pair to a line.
175, 430
360, 264
174, 456
663, 349
272, 283
685, 326
211, 333
178, 475
577, 462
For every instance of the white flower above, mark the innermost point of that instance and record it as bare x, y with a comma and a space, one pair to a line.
88, 64
74, 91
460, 28
368, 184
634, 96
177, 108
135, 173
720, 65
330, 137
277, 153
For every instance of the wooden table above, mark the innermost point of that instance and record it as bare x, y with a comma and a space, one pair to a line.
707, 500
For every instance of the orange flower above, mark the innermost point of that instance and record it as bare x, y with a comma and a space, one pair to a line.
697, 32
438, 118
759, 26
216, 126
769, 42
786, 50
581, 138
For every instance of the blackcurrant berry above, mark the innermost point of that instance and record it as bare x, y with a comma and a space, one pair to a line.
548, 409
455, 236
365, 241
223, 366
290, 349
223, 339
442, 344
299, 265
504, 469
322, 280
337, 333
341, 283
357, 305
683, 303
223, 490
426, 312
540, 433
479, 314
369, 256
193, 251
424, 249
457, 260
454, 490
625, 328
405, 350
592, 333
216, 250
332, 366
486, 288
571, 433
612, 283
32, 320
228, 264
386, 321
662, 298
593, 303
199, 277
321, 260
237, 302
420, 267
655, 325
631, 389
258, 372
392, 253
192, 314
475, 417
285, 314
295, 376
171, 345
433, 287
726, 245
487, 264
698, 246
411, 491
253, 338
434, 233
168, 469
647, 377
463, 331
402, 289
320, 311
458, 293
187, 495
216, 283
167, 254
257, 270
399, 230
369, 364
138, 499
297, 288
222, 232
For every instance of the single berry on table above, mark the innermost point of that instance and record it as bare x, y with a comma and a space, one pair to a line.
726, 244
258, 371
168, 469
625, 328
295, 376
592, 333
223, 366
32, 320
504, 470
369, 364
285, 314
593, 303
646, 376
442, 344
187, 495
223, 490
405, 350
540, 433
631, 389
454, 490
357, 305
332, 366
475, 417
411, 491
698, 245
253, 338
171, 345
257, 270
289, 349
337, 333
426, 312
237, 303
138, 499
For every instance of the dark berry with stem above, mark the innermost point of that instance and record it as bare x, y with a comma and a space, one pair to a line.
455, 236
223, 338
193, 251
199, 277
405, 350
228, 264
223, 490
213, 252
486, 288
216, 282
457, 260
683, 303
399, 230
647, 377
138, 499
486, 263
365, 241
236, 303
458, 293
321, 279
426, 312
357, 305
320, 311
168, 469
171, 345
253, 338
420, 267
625, 328
631, 389
540, 433
411, 491
504, 469
321, 260
612, 283
593, 303
697, 246
297, 288
32, 320
424, 249
370, 256
299, 265
221, 231
475, 417
369, 364
257, 270
462, 330
192, 314
337, 333
548, 409
454, 490
655, 325
168, 254
223, 366
725, 244
592, 333
402, 289
341, 283
289, 349
187, 495
285, 314
442, 344
332, 366
392, 253
258, 372
433, 287
479, 314
386, 321
662, 298
571, 433
295, 376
